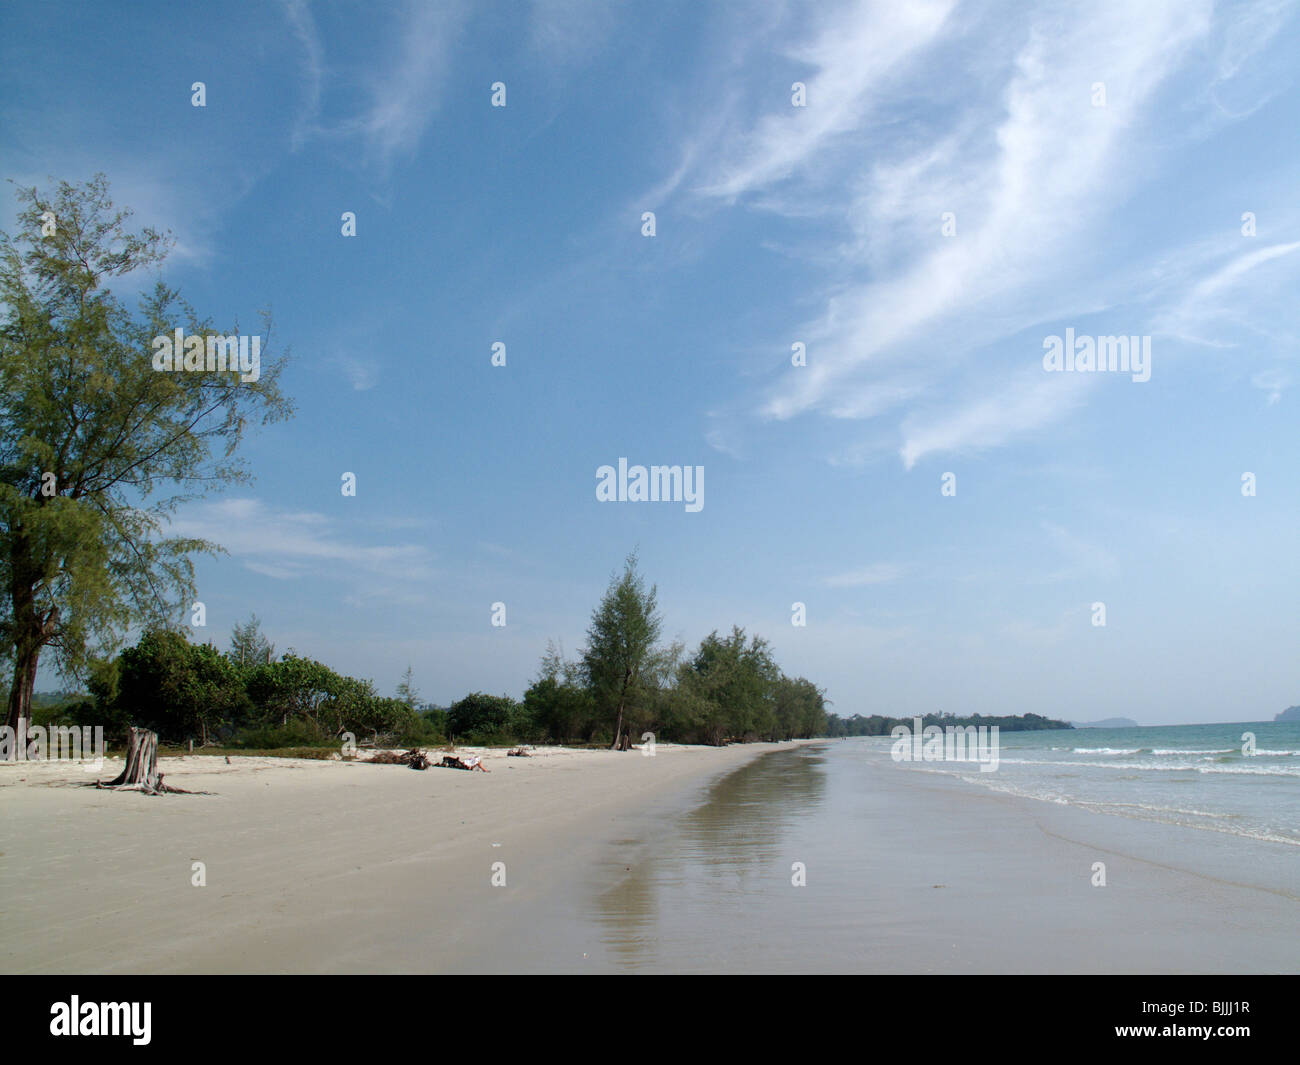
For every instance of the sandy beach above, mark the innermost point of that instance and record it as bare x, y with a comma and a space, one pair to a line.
613, 862
312, 866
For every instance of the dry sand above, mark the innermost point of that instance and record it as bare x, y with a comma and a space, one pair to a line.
315, 866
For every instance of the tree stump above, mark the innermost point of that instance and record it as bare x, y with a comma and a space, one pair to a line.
141, 770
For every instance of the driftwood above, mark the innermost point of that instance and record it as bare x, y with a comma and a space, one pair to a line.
141, 770
415, 758
517, 752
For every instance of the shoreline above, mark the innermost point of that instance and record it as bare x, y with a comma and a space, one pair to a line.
914, 872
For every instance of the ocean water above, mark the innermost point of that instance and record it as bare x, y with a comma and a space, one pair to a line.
1194, 775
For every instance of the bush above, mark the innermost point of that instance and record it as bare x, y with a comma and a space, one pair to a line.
420, 733
299, 732
485, 719
560, 711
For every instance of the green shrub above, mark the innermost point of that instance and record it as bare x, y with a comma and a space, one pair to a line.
482, 719
298, 732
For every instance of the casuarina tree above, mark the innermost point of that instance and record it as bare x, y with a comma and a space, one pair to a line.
97, 446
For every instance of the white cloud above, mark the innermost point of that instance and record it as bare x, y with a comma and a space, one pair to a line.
405, 94
288, 544
877, 573
298, 12
1045, 168
855, 49
1273, 382
361, 373
404, 89
1031, 402
1089, 557
990, 115
569, 32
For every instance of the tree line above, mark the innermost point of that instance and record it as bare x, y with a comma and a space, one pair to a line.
623, 684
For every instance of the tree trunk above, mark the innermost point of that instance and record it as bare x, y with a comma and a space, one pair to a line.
28, 631
618, 730
19, 715
141, 770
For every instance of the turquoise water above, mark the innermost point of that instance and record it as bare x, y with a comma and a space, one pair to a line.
1194, 775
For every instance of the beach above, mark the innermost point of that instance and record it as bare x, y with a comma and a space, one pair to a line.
312, 866
687, 861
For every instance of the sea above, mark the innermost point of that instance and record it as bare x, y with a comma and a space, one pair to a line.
1200, 776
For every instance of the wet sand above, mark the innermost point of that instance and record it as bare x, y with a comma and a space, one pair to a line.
909, 871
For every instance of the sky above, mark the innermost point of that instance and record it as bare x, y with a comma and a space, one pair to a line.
919, 194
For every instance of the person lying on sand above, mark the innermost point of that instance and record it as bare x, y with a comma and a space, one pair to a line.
468, 761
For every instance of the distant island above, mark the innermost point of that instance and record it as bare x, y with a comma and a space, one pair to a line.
1107, 722
1291, 713
878, 725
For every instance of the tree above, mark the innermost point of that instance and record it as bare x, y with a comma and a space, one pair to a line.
248, 646
297, 687
96, 446
407, 691
559, 710
482, 716
731, 687
800, 710
178, 689
620, 645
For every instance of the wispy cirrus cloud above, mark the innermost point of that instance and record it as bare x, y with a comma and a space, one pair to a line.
402, 91
1044, 166
570, 32
877, 573
1217, 296
855, 49
1030, 402
362, 374
303, 26
1012, 139
1274, 382
287, 545
1088, 557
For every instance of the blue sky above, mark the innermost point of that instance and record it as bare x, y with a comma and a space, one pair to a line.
1112, 213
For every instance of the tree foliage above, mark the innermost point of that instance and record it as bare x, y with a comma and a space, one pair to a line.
620, 645
96, 447
248, 647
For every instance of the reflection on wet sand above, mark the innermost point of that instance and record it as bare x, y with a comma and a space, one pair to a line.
711, 864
